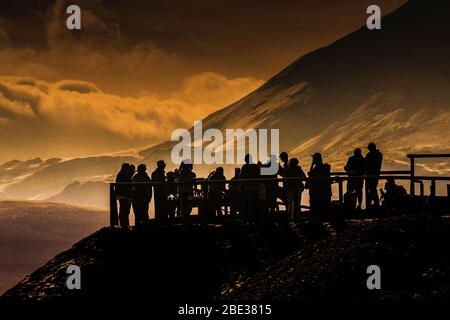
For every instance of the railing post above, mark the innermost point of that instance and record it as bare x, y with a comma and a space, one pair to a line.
412, 183
113, 215
422, 189
341, 190
433, 188
448, 190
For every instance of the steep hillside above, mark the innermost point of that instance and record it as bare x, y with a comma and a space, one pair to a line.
389, 86
161, 262
270, 260
33, 232
412, 253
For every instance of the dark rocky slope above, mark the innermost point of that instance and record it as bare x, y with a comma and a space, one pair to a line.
270, 260
413, 253
163, 262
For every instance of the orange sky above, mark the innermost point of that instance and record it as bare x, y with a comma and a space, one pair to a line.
139, 69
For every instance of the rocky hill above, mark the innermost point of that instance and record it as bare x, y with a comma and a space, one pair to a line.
269, 260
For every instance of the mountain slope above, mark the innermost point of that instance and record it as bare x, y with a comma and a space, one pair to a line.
33, 232
411, 252
161, 262
388, 85
50, 178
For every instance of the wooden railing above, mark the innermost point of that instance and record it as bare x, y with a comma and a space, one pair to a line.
338, 179
412, 159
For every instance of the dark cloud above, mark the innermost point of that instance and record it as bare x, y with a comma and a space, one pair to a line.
234, 38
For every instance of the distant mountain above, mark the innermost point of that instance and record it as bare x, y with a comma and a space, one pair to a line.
15, 169
91, 193
33, 232
389, 86
49, 178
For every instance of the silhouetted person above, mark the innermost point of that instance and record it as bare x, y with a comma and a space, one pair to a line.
124, 193
171, 191
373, 163
393, 192
235, 194
294, 188
283, 165
261, 204
216, 191
142, 194
250, 195
356, 167
205, 187
271, 189
186, 189
132, 172
319, 189
159, 175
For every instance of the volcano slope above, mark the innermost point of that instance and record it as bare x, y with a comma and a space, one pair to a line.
389, 86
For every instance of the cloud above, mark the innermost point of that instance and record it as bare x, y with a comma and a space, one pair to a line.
211, 88
72, 118
77, 86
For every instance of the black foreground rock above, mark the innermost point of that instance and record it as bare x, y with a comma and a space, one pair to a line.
413, 253
269, 260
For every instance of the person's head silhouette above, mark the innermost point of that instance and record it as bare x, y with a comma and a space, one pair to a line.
248, 159
161, 164
372, 146
357, 152
142, 168
317, 158
284, 157
293, 162
125, 167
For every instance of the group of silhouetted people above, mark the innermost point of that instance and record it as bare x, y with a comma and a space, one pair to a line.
247, 195
369, 166
133, 189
